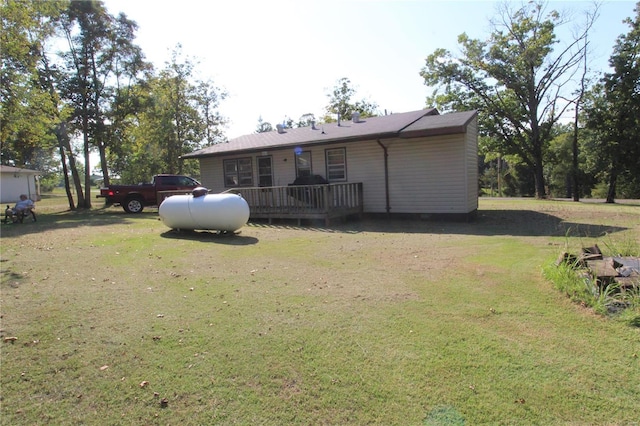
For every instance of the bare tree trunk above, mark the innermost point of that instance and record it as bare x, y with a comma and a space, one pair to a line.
103, 163
61, 135
86, 202
74, 171
541, 192
613, 180
575, 188
87, 175
575, 170
63, 143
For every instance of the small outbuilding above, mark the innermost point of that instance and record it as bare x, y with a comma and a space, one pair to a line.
415, 163
15, 181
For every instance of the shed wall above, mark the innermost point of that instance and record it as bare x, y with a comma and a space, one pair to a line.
471, 149
428, 175
12, 185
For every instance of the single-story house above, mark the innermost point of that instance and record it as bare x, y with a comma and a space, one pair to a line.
415, 163
15, 181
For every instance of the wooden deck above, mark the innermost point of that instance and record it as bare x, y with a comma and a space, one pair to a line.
324, 202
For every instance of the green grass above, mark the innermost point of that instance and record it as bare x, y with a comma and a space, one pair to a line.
371, 322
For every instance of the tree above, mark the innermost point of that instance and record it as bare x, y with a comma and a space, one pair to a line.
175, 95
101, 52
341, 105
306, 120
166, 116
33, 119
613, 115
263, 126
208, 98
516, 79
27, 116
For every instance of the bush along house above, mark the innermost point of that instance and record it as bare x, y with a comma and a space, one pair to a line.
419, 163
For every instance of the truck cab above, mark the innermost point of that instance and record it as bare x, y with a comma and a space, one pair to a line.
134, 198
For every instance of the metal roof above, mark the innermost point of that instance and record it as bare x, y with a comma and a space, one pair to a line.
408, 124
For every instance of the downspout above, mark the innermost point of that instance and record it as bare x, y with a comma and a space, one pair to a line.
386, 176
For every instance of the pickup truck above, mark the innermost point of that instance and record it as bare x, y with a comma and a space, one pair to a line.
134, 198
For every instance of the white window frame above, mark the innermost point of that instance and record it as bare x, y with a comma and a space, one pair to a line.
336, 170
238, 172
262, 175
303, 164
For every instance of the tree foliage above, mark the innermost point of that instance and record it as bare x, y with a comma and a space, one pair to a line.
263, 126
613, 117
168, 115
519, 79
98, 91
342, 105
28, 114
101, 53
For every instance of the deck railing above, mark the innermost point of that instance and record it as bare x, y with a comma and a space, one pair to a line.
326, 202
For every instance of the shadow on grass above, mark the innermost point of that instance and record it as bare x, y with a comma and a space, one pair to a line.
487, 223
8, 277
69, 219
228, 238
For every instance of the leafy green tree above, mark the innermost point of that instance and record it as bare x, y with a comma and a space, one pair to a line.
562, 168
166, 116
33, 118
174, 94
27, 116
613, 117
208, 97
306, 120
517, 79
342, 105
101, 52
263, 126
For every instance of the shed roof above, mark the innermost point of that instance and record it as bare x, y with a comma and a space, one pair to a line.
426, 122
12, 169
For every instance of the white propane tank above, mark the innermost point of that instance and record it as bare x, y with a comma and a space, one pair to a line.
220, 212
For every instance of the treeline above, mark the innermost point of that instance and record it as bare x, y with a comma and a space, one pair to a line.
545, 130
74, 83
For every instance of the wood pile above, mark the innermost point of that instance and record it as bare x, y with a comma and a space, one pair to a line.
623, 270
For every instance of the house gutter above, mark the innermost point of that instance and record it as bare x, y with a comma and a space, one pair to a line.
386, 176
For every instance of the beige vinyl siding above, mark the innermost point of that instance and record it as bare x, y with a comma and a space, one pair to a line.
437, 174
365, 163
471, 143
428, 175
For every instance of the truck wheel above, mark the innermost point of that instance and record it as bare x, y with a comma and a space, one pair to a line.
133, 205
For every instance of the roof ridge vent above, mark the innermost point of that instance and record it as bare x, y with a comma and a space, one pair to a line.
355, 117
280, 128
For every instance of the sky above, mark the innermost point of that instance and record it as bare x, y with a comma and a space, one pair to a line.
279, 59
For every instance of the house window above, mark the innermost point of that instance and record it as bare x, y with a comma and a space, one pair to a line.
238, 172
265, 171
303, 164
336, 164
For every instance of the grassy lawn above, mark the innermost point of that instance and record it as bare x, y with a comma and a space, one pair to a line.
119, 320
